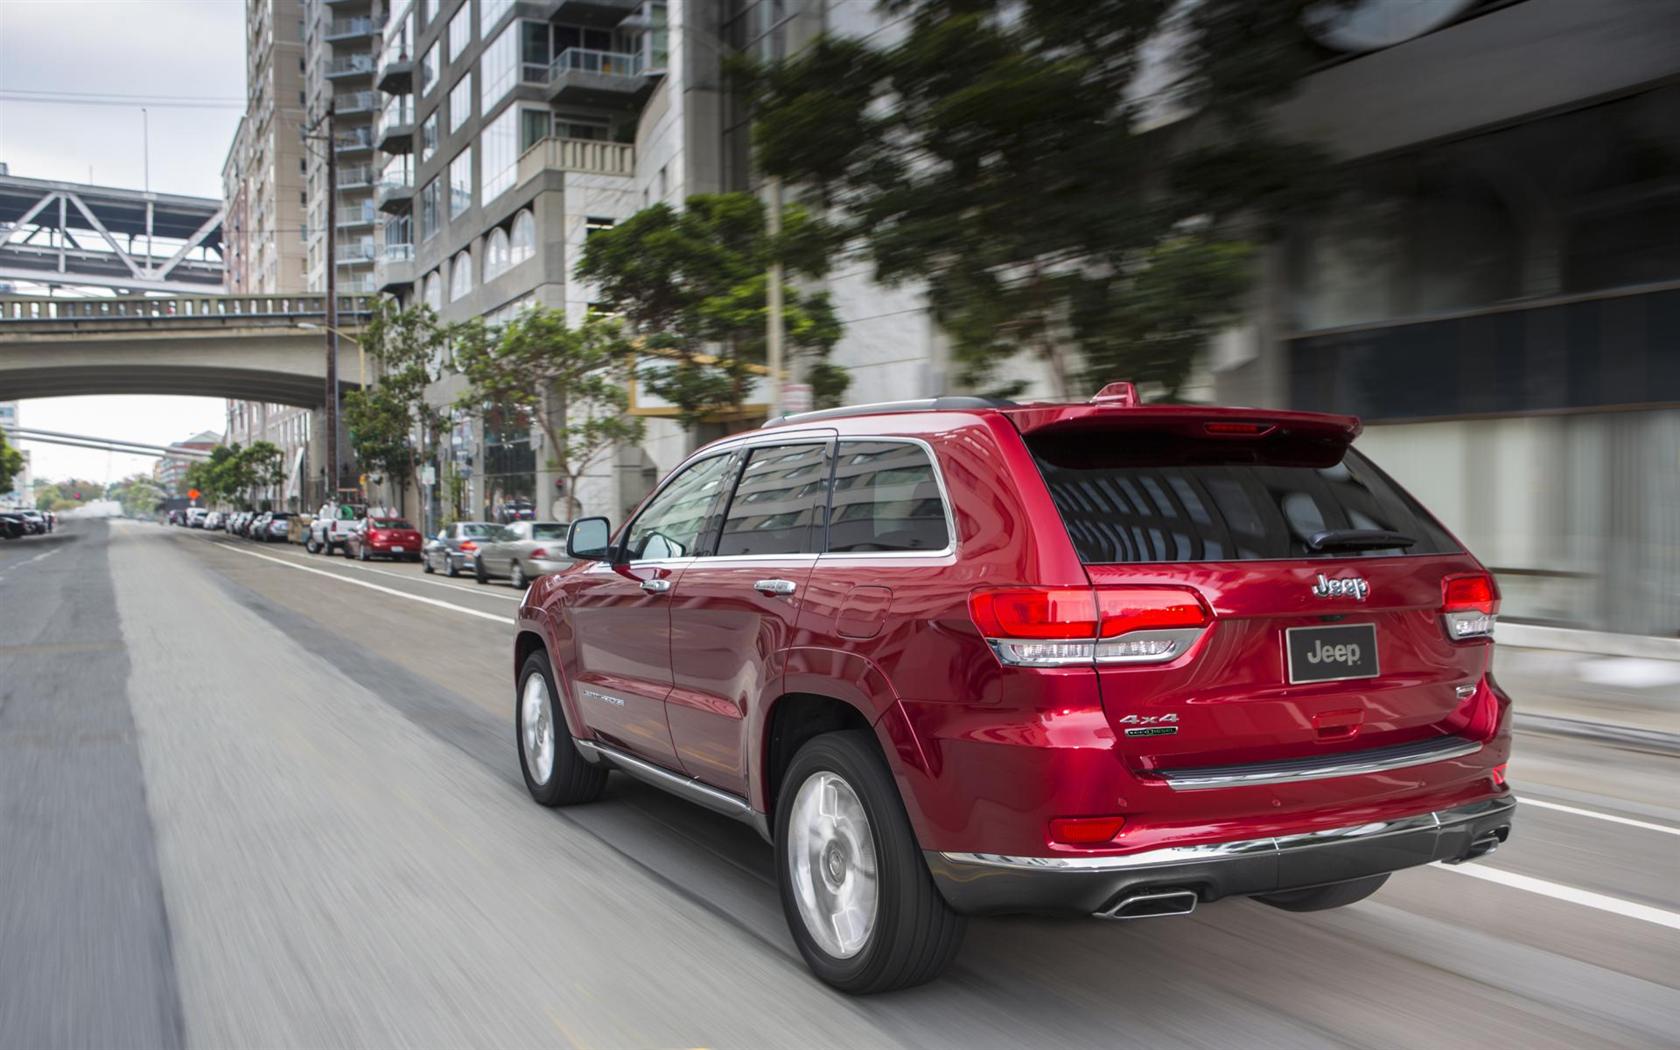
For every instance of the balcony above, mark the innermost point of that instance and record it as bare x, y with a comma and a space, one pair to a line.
354, 253
393, 270
597, 14
396, 73
587, 156
356, 141
395, 126
355, 176
346, 4
585, 77
352, 216
355, 102
345, 67
349, 29
394, 194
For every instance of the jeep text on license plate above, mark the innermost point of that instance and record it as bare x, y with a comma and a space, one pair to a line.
1330, 654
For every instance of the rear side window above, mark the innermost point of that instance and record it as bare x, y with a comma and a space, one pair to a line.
777, 505
886, 498
1142, 498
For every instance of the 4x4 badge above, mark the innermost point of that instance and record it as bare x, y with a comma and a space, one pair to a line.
1353, 587
1151, 725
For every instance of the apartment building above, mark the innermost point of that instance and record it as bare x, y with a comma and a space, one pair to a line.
263, 179
170, 472
341, 40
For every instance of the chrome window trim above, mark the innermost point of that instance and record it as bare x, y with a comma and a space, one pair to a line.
1344, 765
1168, 856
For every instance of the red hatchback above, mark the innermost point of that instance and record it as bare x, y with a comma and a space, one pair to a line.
963, 656
384, 538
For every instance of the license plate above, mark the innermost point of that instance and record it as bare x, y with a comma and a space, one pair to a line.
1332, 654
397, 550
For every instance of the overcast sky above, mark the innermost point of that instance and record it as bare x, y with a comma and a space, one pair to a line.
147, 51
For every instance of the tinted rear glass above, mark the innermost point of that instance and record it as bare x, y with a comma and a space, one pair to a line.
1133, 498
391, 523
548, 530
886, 498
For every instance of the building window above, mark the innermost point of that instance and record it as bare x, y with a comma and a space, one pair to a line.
489, 13
429, 137
460, 276
460, 31
399, 38
534, 126
520, 52
496, 258
429, 216
460, 101
499, 148
430, 9
429, 68
434, 291
594, 224
581, 128
460, 182
523, 244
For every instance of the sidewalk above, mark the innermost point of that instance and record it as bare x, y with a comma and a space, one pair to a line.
1607, 694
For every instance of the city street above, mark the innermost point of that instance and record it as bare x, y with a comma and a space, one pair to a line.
253, 797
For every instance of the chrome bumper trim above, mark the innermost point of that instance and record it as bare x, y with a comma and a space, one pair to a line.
1215, 851
1295, 771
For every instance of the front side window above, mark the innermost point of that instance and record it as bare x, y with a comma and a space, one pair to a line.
886, 498
672, 525
777, 504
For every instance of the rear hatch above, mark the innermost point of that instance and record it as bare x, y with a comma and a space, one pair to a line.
1320, 580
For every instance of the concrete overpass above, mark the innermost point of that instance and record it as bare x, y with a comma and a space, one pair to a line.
252, 347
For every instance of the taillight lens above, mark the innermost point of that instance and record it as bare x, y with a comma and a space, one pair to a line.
1065, 626
468, 545
540, 554
1469, 606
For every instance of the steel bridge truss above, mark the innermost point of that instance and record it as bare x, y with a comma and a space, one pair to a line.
69, 234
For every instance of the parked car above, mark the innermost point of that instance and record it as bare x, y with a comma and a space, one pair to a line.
1109, 659
522, 551
273, 526
35, 521
196, 516
452, 550
12, 525
258, 529
376, 537
332, 526
215, 520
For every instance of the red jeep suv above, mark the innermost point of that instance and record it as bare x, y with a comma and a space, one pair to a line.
964, 656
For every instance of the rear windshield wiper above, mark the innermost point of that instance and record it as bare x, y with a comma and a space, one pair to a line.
1357, 540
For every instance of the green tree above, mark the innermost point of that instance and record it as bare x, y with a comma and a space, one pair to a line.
693, 286
11, 464
571, 381
1059, 191
138, 494
393, 429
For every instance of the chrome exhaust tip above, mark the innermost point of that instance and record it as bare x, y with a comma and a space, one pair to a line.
1483, 845
1151, 905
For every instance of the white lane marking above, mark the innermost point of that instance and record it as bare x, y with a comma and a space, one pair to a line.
1612, 818
1557, 891
374, 586
36, 558
355, 564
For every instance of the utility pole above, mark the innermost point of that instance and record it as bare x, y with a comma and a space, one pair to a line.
773, 302
331, 325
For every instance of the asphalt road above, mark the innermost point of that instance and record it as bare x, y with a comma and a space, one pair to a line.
250, 797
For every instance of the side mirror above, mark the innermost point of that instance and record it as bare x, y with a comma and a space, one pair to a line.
588, 538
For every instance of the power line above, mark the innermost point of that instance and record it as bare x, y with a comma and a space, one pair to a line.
127, 103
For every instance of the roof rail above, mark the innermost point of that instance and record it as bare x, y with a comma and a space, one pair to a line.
948, 402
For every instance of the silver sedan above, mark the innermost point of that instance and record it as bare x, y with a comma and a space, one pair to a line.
522, 551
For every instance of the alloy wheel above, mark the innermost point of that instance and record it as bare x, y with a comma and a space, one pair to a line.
536, 728
831, 856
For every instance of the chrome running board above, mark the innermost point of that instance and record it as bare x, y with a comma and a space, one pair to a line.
684, 787
1346, 764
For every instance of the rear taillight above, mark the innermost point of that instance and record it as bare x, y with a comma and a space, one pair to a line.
468, 545
1469, 606
1065, 626
540, 554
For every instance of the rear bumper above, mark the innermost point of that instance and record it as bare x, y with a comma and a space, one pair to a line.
981, 884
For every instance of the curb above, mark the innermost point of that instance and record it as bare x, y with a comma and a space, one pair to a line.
1628, 736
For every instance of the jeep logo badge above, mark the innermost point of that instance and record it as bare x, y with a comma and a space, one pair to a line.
1354, 587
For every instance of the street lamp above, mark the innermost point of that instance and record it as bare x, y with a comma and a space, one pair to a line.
361, 354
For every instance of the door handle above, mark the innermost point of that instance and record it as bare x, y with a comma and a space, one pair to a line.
656, 586
775, 586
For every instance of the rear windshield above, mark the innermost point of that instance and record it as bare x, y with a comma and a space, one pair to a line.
391, 523
548, 530
477, 528
1129, 497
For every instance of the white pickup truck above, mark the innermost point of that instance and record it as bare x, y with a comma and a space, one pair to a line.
332, 526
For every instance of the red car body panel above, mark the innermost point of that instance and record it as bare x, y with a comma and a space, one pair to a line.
986, 754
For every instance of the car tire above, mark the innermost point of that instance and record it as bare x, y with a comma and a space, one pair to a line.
565, 779
362, 553
1323, 898
911, 935
517, 578
478, 570
426, 564
449, 568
